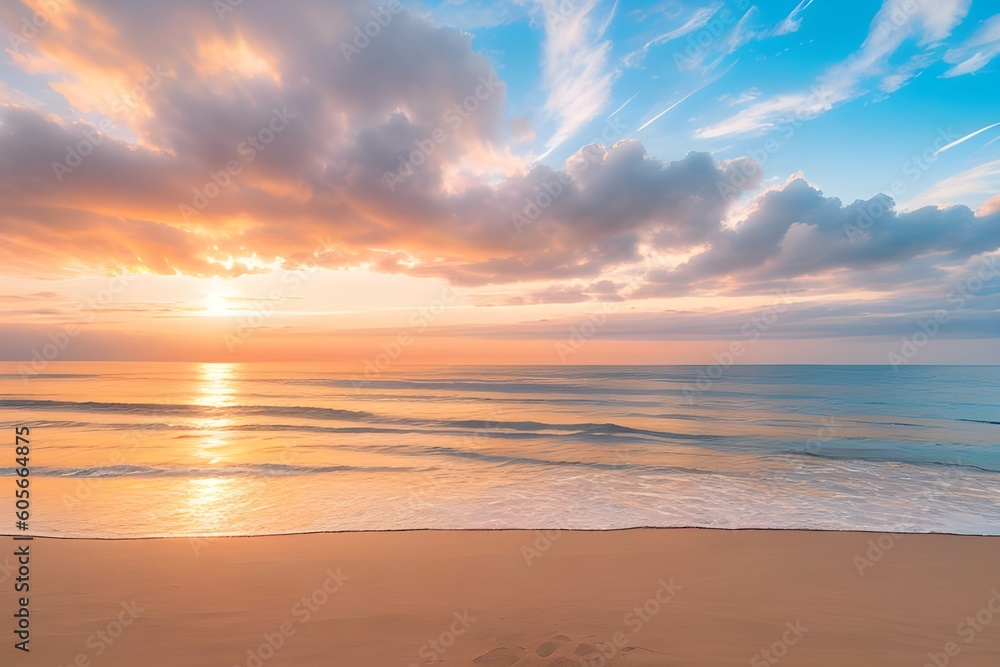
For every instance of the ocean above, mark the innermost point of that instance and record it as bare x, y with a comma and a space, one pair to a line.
185, 449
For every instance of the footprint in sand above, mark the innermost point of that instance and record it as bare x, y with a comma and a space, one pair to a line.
557, 651
546, 649
564, 662
503, 656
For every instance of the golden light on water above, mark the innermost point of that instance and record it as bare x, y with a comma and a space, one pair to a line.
215, 386
206, 499
216, 390
207, 502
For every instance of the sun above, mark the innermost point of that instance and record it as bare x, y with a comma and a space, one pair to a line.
216, 305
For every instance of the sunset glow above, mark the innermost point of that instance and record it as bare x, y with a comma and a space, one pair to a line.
266, 186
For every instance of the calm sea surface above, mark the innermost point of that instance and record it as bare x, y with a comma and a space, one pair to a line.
124, 450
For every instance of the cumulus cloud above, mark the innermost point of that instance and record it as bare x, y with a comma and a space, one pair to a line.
796, 235
374, 156
386, 151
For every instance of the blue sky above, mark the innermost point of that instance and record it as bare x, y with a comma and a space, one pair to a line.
853, 150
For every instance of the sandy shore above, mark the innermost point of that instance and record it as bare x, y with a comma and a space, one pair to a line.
646, 597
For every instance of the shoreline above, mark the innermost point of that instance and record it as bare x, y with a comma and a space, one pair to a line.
503, 530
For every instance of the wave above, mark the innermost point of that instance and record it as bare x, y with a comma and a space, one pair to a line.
47, 376
334, 414
499, 386
427, 431
186, 409
250, 469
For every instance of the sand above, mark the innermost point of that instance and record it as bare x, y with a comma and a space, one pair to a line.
501, 598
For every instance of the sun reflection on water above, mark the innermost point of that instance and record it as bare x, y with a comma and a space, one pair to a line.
216, 390
208, 503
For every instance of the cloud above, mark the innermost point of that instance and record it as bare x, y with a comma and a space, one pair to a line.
977, 51
669, 8
604, 290
897, 22
574, 66
36, 296
991, 205
521, 129
710, 53
747, 28
699, 18
13, 96
979, 180
417, 103
717, 40
792, 22
798, 319
471, 14
796, 237
748, 95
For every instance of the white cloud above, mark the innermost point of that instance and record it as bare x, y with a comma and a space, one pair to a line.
768, 114
748, 95
897, 21
792, 22
574, 67
984, 179
977, 51
698, 20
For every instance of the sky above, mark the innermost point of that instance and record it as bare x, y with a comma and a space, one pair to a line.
501, 181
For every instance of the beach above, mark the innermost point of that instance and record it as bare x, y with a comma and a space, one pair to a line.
526, 598
344, 333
